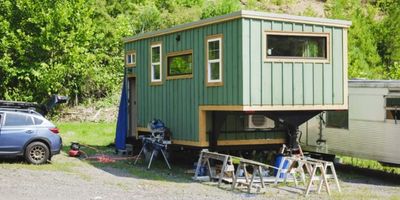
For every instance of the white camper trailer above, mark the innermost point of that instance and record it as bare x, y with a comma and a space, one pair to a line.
370, 129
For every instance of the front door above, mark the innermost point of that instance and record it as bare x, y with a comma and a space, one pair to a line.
132, 106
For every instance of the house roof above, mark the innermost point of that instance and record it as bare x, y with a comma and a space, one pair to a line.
374, 83
243, 14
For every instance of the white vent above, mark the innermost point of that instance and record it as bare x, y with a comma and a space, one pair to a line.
258, 122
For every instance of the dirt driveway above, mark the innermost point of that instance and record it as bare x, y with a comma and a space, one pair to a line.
70, 178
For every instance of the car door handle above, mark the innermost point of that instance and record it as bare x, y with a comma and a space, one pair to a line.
29, 131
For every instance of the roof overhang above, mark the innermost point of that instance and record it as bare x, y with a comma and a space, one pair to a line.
243, 14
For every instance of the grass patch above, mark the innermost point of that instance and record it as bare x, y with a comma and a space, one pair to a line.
95, 139
87, 133
369, 164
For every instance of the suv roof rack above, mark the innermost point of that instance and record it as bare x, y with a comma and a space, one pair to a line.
18, 105
30, 111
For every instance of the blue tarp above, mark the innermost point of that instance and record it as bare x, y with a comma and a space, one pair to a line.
122, 121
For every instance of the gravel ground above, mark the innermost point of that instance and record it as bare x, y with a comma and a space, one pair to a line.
85, 181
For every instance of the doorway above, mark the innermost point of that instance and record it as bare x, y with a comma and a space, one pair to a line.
132, 107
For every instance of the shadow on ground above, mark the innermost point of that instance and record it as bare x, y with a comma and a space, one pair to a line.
106, 159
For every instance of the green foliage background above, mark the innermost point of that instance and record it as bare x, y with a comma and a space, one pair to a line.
74, 47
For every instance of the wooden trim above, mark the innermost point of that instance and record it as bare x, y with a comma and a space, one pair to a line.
267, 58
190, 143
142, 129
185, 76
156, 83
202, 125
131, 75
294, 107
271, 108
240, 15
345, 74
221, 38
178, 53
250, 142
295, 21
221, 108
133, 52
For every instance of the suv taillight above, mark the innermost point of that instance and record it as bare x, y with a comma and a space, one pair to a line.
54, 130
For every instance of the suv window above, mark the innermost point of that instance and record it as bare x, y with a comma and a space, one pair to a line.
15, 119
37, 121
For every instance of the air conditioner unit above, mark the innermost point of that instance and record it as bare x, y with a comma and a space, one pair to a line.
258, 122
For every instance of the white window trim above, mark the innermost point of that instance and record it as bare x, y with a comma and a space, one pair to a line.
132, 54
297, 59
219, 60
155, 63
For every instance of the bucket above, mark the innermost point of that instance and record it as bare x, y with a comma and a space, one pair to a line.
202, 170
278, 160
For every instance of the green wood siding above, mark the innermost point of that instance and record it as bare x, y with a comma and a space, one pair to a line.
290, 83
248, 79
176, 102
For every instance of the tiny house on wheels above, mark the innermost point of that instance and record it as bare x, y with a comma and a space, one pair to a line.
370, 128
245, 79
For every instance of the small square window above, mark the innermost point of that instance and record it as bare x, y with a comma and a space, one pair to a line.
180, 65
130, 59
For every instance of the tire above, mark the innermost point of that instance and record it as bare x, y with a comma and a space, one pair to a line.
37, 153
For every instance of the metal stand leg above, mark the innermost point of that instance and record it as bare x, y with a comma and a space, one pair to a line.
151, 159
165, 158
137, 158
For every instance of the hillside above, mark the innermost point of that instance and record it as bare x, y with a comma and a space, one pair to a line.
75, 48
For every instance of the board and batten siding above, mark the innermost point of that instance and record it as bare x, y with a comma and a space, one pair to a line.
267, 83
177, 101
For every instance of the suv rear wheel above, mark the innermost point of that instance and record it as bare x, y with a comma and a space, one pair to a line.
37, 153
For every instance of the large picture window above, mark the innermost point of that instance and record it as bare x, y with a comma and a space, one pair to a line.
214, 60
307, 46
180, 65
156, 63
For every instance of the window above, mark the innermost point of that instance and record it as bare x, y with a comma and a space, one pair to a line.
130, 59
156, 63
393, 108
13, 119
37, 121
309, 46
337, 119
214, 60
180, 65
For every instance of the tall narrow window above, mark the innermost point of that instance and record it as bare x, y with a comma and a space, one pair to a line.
214, 60
156, 63
130, 59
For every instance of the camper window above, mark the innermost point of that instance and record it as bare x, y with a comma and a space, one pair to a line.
156, 63
180, 65
393, 108
130, 59
214, 60
297, 46
337, 119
